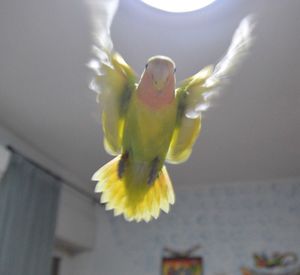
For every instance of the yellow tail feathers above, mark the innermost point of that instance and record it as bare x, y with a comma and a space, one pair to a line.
137, 201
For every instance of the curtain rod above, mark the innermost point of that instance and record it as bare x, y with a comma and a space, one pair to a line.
59, 178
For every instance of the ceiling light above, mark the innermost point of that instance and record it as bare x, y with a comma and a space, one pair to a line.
178, 5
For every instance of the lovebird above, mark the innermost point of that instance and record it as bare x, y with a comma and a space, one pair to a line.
148, 121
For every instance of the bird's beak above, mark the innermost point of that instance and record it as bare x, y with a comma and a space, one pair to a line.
159, 84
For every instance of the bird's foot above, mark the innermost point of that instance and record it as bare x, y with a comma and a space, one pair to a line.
122, 164
153, 171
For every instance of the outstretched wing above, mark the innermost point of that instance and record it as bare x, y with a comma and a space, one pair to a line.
114, 86
114, 80
194, 93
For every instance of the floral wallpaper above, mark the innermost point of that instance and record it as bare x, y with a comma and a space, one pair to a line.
230, 221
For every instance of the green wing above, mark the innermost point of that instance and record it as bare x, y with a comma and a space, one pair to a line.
114, 80
114, 86
190, 94
193, 95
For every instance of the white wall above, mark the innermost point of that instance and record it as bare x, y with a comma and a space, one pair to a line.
76, 221
230, 221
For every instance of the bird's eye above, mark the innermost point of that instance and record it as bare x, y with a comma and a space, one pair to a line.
174, 70
146, 66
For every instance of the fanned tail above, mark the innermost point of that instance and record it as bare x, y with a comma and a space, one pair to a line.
137, 201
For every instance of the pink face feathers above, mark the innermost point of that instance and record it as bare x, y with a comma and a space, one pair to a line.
157, 84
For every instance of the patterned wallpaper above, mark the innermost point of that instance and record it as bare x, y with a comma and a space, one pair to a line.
230, 221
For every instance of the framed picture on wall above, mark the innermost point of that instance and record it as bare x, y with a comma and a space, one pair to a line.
182, 266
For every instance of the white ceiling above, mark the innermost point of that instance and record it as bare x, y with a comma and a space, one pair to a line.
251, 133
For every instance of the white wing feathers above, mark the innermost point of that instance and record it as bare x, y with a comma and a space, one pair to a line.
102, 13
241, 42
114, 80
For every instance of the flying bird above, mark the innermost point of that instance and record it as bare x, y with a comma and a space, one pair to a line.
148, 121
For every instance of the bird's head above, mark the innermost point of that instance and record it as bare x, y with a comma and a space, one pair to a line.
157, 85
160, 70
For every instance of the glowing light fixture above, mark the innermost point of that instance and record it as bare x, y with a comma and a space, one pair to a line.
178, 5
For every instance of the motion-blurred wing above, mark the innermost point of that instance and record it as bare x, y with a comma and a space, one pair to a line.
102, 13
114, 87
114, 80
194, 93
187, 129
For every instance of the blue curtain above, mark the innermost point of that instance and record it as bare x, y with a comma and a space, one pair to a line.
28, 207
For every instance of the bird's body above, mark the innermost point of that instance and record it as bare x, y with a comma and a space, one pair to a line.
150, 123
145, 136
148, 131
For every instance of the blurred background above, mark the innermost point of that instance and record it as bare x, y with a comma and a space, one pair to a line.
237, 195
